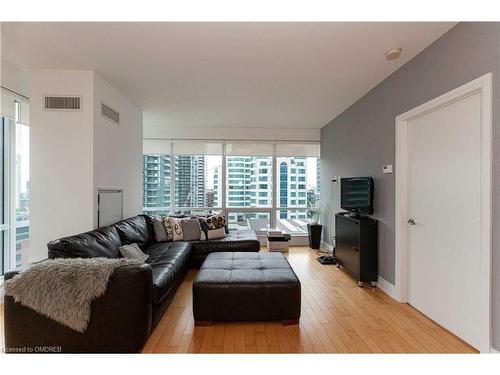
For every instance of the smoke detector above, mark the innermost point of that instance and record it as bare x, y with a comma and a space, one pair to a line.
393, 54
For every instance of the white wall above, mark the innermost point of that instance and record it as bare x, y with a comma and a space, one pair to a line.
117, 148
14, 78
72, 154
61, 159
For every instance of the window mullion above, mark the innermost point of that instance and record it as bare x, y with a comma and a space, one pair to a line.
11, 191
274, 188
223, 181
172, 179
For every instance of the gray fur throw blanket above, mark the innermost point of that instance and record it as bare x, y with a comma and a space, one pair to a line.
63, 289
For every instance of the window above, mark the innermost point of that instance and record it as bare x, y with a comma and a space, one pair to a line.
305, 170
197, 181
156, 174
14, 182
293, 221
182, 177
188, 177
258, 221
4, 256
239, 184
22, 193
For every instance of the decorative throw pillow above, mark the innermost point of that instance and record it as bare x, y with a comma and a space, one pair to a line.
216, 221
173, 227
204, 228
213, 223
160, 230
216, 233
191, 229
132, 251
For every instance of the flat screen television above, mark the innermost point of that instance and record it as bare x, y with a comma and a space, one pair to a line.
356, 195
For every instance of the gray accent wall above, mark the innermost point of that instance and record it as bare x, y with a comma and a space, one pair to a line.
361, 140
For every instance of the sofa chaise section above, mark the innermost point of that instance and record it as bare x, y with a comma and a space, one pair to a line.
235, 241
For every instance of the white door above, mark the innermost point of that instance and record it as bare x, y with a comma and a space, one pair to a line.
444, 203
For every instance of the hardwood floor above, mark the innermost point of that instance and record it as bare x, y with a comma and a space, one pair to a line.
337, 317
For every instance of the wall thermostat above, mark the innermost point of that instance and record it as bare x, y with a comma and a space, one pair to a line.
387, 168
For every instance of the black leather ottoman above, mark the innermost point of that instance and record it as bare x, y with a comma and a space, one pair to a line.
242, 286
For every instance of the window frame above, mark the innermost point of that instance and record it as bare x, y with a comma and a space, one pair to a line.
223, 185
10, 224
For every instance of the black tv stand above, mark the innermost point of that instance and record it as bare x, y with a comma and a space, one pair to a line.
354, 214
351, 214
356, 244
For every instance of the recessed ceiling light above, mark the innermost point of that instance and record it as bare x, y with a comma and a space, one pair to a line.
393, 54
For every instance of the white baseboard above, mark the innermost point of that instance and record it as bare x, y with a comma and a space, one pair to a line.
326, 246
386, 287
494, 351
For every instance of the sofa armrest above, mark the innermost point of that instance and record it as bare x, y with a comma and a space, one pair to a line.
120, 320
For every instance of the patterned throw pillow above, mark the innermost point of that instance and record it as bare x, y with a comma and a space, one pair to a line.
215, 221
173, 227
212, 223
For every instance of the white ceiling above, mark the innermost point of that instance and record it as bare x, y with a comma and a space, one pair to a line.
278, 75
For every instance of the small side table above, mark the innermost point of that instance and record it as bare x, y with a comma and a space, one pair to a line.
278, 243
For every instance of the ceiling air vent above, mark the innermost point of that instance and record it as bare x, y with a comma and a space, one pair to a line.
110, 114
62, 103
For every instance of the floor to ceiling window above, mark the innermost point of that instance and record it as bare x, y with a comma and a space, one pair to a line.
4, 124
14, 181
258, 185
299, 186
181, 177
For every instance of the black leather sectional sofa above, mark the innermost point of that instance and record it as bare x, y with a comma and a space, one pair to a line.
136, 298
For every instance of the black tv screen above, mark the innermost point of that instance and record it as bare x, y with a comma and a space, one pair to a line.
357, 194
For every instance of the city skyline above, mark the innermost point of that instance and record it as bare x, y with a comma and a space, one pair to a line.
214, 161
249, 184
192, 191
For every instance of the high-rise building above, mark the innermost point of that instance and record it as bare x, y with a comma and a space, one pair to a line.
217, 195
292, 180
210, 197
318, 176
249, 184
156, 175
190, 173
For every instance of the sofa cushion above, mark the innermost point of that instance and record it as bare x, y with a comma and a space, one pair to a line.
160, 232
101, 242
216, 233
135, 230
237, 240
173, 227
191, 230
133, 252
168, 260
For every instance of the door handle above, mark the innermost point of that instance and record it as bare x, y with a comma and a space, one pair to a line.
411, 221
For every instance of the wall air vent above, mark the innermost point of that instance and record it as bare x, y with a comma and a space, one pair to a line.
62, 103
110, 114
